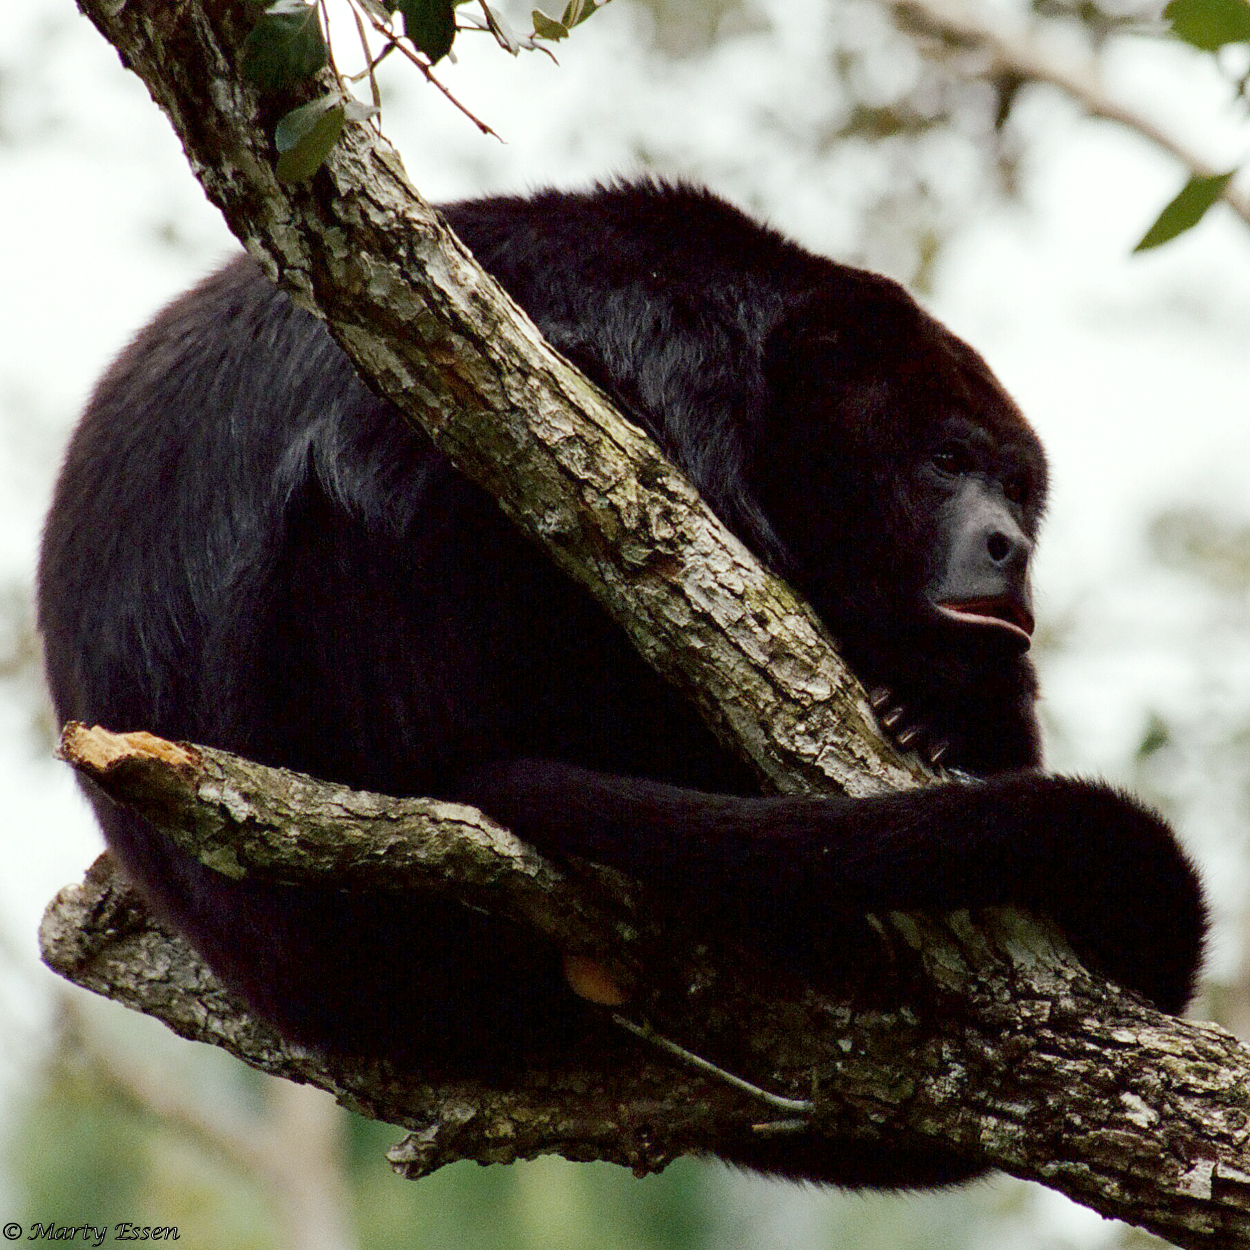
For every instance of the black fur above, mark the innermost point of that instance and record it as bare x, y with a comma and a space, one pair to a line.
247, 548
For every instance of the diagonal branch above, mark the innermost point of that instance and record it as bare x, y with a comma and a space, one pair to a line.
1005, 1049
440, 339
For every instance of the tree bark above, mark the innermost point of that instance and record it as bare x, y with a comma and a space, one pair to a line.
1000, 1044
433, 333
989, 1038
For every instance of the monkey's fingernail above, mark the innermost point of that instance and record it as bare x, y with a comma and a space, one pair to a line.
879, 697
892, 717
937, 750
908, 736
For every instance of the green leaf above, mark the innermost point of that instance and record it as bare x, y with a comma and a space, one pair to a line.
285, 47
431, 25
1186, 211
548, 28
578, 11
309, 137
1210, 24
299, 122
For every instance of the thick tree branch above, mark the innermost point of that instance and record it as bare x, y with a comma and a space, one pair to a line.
1005, 1048
442, 341
990, 1039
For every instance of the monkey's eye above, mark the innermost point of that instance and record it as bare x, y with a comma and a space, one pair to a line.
1016, 488
950, 460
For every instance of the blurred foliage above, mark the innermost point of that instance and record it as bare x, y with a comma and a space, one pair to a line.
84, 1147
1192, 757
1155, 737
936, 134
687, 27
1205, 545
546, 1204
21, 662
1101, 21
82, 1151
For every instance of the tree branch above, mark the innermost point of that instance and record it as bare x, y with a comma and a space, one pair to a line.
988, 1039
439, 338
999, 1046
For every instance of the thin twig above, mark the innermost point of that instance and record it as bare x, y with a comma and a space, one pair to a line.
394, 41
648, 1034
370, 63
325, 19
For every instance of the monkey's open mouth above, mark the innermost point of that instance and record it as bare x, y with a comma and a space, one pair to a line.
998, 613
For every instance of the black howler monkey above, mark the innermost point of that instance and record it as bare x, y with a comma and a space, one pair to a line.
249, 549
